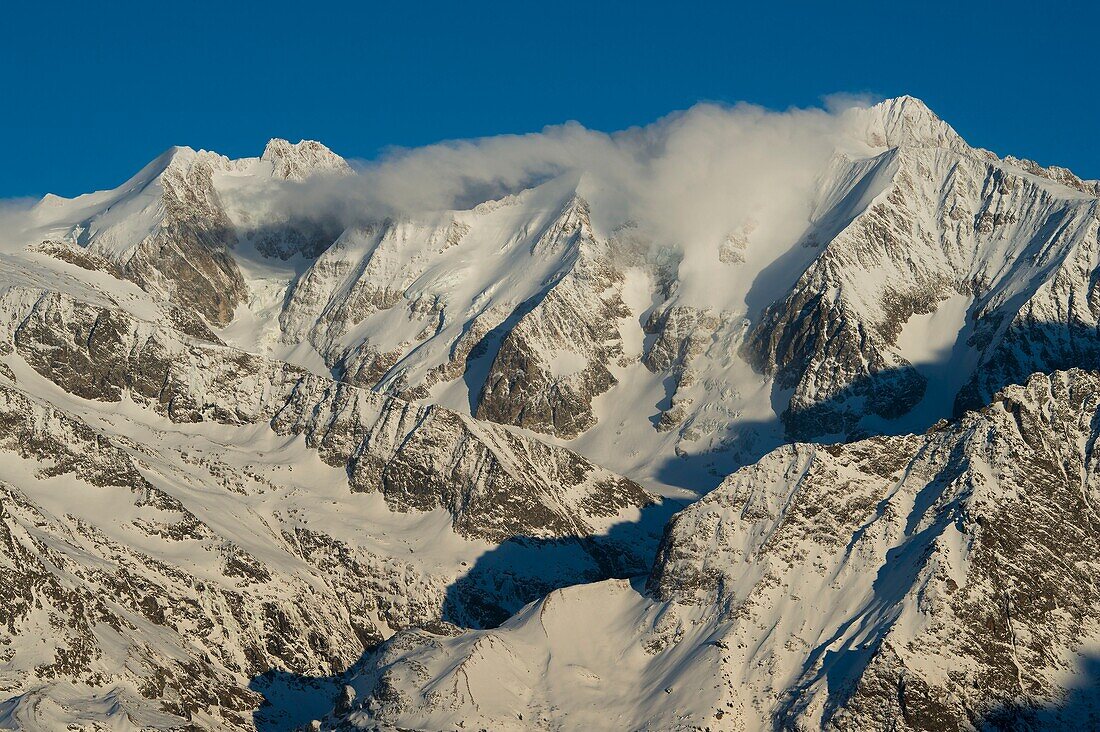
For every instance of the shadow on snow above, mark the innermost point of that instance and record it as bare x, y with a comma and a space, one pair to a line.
516, 572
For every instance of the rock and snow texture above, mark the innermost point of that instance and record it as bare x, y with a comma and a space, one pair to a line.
674, 350
180, 518
255, 425
938, 581
677, 357
960, 232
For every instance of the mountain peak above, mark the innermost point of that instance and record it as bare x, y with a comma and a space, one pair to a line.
907, 121
297, 161
174, 156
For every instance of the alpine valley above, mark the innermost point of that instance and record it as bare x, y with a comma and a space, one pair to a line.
743, 420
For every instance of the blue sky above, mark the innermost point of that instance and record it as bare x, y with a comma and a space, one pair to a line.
91, 92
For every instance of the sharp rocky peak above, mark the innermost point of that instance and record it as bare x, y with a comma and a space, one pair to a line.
297, 161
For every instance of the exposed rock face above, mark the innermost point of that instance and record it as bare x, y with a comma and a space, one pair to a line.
550, 353
273, 233
74, 254
104, 353
189, 253
957, 626
360, 275
576, 321
496, 484
171, 642
93, 593
937, 581
168, 229
907, 122
732, 248
944, 227
169, 233
34, 430
681, 334
298, 161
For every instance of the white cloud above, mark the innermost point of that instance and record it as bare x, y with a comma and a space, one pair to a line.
697, 173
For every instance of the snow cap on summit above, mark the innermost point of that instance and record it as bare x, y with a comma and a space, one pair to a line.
905, 120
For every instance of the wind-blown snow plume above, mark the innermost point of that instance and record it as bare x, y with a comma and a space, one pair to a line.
13, 212
693, 174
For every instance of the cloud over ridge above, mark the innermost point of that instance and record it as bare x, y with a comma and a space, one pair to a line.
697, 172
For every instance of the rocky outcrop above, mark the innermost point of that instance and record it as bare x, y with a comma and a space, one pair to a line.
550, 353
680, 334
65, 445
146, 627
189, 254
495, 484
956, 626
301, 160
168, 229
104, 353
555, 359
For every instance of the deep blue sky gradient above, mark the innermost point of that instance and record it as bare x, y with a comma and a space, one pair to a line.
90, 92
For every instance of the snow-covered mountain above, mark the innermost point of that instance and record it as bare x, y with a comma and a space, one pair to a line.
181, 517
936, 581
257, 424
